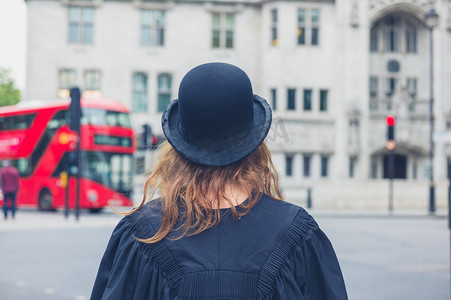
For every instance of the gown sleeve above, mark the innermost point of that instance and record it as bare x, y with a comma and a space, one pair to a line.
127, 270
311, 271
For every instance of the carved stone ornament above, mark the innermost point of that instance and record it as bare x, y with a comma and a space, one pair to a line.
379, 4
91, 3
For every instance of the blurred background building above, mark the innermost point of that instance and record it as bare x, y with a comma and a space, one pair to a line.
331, 70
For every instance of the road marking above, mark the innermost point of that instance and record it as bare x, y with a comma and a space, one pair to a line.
80, 297
49, 291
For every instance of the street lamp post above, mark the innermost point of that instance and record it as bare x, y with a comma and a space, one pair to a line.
431, 18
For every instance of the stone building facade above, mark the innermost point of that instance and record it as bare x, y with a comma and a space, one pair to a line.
331, 70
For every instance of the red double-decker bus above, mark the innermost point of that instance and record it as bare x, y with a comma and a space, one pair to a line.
37, 140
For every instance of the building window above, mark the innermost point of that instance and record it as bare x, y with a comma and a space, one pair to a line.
399, 168
411, 38
394, 34
92, 80
81, 25
274, 40
274, 99
391, 35
152, 27
415, 170
352, 161
291, 99
412, 87
289, 165
324, 166
307, 161
301, 27
66, 80
307, 99
374, 43
390, 86
222, 30
308, 21
139, 101
315, 26
164, 91
323, 100
373, 86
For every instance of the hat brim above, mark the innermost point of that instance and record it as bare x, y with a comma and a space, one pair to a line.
218, 152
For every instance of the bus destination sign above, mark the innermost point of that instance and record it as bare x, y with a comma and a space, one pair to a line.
112, 140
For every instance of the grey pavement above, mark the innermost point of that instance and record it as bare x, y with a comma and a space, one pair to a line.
401, 256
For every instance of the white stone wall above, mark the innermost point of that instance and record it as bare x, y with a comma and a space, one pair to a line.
341, 63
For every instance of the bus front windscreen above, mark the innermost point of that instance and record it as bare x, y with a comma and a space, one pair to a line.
113, 170
97, 116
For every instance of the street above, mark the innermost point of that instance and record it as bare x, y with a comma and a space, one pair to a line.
43, 256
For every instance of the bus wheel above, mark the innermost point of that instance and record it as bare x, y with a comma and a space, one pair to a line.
45, 200
95, 210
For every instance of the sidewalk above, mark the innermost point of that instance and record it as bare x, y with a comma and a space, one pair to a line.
360, 213
30, 220
27, 219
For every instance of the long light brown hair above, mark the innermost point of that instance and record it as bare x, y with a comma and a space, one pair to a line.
198, 190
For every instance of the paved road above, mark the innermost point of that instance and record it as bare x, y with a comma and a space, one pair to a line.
43, 256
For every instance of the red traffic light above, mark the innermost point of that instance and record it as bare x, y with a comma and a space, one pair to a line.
390, 120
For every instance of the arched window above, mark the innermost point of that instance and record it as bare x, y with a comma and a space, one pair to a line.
394, 34
374, 43
411, 38
391, 29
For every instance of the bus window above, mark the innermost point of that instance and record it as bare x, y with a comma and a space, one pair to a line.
16, 122
23, 166
58, 118
96, 116
111, 169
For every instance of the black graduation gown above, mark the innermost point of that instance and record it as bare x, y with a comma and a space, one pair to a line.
276, 251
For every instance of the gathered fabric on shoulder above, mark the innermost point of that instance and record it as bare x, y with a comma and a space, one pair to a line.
276, 251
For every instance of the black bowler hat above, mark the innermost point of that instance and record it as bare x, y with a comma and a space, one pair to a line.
216, 120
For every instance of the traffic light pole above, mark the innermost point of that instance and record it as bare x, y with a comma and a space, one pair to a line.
390, 146
75, 116
391, 161
431, 120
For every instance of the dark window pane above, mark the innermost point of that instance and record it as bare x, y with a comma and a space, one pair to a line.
352, 161
324, 166
16, 122
160, 37
229, 39
315, 36
274, 15
291, 99
323, 100
289, 165
215, 39
400, 166
308, 99
301, 35
374, 40
274, 98
163, 101
307, 160
274, 36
